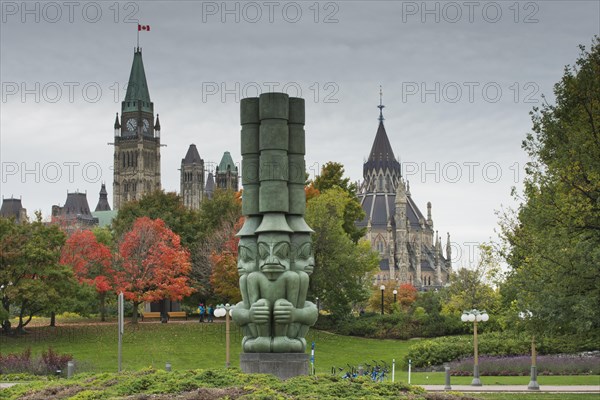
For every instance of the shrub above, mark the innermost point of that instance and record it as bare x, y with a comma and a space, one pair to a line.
46, 364
445, 349
399, 325
16, 363
560, 364
51, 361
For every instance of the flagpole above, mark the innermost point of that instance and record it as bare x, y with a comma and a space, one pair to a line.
138, 37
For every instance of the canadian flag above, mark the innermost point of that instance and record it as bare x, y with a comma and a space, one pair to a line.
143, 27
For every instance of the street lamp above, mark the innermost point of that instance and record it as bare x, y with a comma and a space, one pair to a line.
395, 293
382, 287
224, 311
533, 384
475, 316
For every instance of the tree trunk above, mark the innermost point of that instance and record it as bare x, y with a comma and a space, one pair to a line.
6, 325
19, 329
53, 319
103, 306
134, 315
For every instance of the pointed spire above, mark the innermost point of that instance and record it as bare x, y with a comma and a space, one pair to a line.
137, 96
407, 188
192, 156
117, 123
429, 212
210, 185
381, 106
381, 160
103, 200
226, 163
157, 124
437, 249
448, 248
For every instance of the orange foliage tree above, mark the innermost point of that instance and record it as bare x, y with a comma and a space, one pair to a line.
152, 264
91, 262
224, 277
311, 191
407, 294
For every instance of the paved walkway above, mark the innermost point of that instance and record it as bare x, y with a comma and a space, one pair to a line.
514, 388
6, 385
481, 389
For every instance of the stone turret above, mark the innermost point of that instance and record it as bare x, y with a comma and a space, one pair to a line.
192, 178
103, 200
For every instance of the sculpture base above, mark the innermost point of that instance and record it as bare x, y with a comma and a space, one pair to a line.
282, 365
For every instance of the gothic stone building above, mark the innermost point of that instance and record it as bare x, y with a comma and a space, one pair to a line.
192, 178
137, 140
137, 151
12, 208
227, 173
410, 250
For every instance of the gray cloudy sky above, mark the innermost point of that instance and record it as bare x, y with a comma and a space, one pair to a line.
459, 79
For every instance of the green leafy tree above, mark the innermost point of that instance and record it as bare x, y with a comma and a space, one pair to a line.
553, 239
475, 287
343, 268
332, 176
32, 281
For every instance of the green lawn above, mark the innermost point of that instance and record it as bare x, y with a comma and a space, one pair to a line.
191, 345
186, 345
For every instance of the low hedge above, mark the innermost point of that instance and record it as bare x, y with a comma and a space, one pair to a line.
398, 325
441, 350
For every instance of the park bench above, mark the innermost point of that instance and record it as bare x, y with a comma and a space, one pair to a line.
177, 314
152, 314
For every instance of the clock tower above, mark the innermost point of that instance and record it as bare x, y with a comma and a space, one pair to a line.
137, 140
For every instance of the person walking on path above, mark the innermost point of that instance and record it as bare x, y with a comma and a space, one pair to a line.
211, 313
202, 312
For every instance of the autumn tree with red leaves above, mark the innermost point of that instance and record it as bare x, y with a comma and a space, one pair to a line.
224, 277
152, 264
407, 294
91, 262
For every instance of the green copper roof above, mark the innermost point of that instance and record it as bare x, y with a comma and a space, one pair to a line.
105, 218
137, 95
226, 161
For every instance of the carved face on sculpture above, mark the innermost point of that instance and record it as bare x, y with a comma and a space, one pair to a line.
273, 253
304, 259
246, 255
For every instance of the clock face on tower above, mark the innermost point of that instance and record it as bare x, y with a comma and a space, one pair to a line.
131, 124
146, 126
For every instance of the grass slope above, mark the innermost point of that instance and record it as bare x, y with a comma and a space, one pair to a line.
186, 345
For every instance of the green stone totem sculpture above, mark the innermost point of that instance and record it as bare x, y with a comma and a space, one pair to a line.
275, 255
